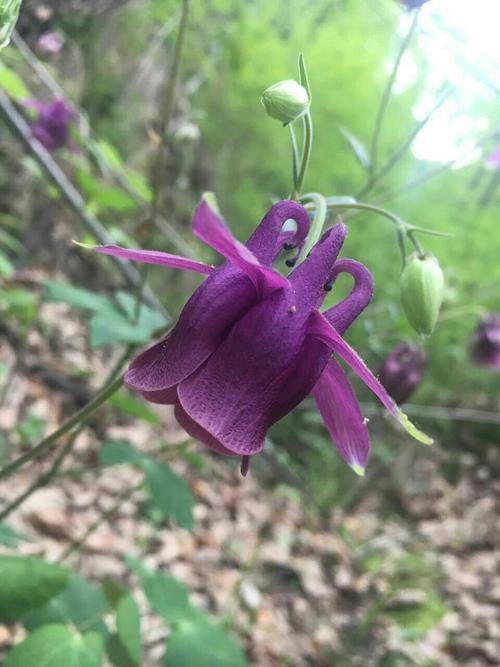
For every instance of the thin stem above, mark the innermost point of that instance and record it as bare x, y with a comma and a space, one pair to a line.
44, 479
320, 212
306, 151
398, 154
159, 164
107, 514
372, 209
295, 160
69, 193
386, 96
79, 417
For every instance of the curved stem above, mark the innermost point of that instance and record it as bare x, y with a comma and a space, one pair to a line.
295, 160
79, 417
320, 211
386, 96
306, 152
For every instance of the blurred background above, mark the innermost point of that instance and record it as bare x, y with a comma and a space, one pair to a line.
305, 563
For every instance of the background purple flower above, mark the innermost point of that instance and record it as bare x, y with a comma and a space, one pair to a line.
52, 126
413, 4
485, 346
402, 371
50, 43
493, 160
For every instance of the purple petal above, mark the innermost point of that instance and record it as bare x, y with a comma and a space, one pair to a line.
252, 378
199, 433
268, 239
344, 313
155, 257
213, 308
340, 410
311, 278
210, 228
320, 328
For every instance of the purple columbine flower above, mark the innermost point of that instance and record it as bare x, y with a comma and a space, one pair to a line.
485, 346
51, 128
50, 43
402, 371
250, 344
413, 4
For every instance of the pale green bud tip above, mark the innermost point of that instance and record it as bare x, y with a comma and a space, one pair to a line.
286, 100
422, 289
359, 470
211, 200
87, 246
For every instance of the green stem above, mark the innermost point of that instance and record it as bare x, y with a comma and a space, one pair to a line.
159, 164
295, 160
306, 152
79, 417
320, 211
386, 96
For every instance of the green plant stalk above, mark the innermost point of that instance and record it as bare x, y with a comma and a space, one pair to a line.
386, 96
165, 117
320, 211
306, 152
295, 160
77, 418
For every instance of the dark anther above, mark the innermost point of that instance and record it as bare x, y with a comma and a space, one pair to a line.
328, 287
289, 246
291, 262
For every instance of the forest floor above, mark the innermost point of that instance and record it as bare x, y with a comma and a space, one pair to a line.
297, 588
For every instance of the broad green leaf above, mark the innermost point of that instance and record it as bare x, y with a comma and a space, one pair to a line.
199, 642
12, 83
27, 583
114, 591
106, 328
77, 297
104, 196
131, 406
167, 596
128, 626
117, 653
117, 452
82, 603
6, 267
149, 318
169, 493
11, 538
57, 646
9, 13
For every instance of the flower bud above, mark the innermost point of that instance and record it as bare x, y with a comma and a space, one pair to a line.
402, 371
422, 288
286, 100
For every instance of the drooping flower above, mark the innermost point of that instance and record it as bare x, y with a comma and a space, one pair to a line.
413, 4
52, 126
485, 345
402, 371
250, 344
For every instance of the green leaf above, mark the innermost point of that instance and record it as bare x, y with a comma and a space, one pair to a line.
417, 619
27, 583
6, 268
104, 196
199, 642
128, 626
77, 297
82, 603
169, 493
136, 408
57, 646
10, 538
117, 653
9, 12
113, 591
106, 328
357, 147
117, 452
167, 596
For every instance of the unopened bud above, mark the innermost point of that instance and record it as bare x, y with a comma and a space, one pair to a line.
286, 100
422, 288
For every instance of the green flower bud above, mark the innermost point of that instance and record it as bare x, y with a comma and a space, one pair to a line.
422, 288
285, 100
